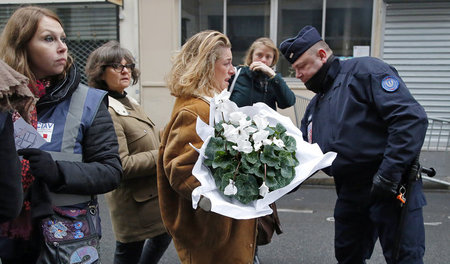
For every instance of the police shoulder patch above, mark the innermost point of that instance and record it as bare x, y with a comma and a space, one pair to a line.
390, 84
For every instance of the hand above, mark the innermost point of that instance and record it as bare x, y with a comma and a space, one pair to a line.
42, 166
383, 189
205, 203
259, 66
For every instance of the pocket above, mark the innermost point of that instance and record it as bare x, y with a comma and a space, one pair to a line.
71, 235
417, 198
83, 250
135, 135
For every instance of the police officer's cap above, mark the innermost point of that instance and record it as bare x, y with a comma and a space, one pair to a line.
293, 48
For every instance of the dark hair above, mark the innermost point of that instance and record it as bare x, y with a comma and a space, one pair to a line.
108, 53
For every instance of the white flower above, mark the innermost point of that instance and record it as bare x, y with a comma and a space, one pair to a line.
236, 117
231, 133
244, 146
267, 141
261, 122
250, 130
278, 142
260, 135
223, 106
244, 123
259, 138
231, 189
222, 97
257, 145
263, 189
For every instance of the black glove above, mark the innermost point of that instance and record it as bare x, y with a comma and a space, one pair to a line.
205, 203
42, 166
383, 189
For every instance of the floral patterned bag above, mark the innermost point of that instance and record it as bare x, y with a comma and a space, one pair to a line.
72, 235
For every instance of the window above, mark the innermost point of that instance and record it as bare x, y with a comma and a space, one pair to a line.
198, 15
293, 15
246, 21
347, 23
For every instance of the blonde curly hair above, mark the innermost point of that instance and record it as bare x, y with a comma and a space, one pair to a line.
193, 67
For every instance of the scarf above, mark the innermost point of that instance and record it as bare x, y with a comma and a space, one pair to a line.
317, 82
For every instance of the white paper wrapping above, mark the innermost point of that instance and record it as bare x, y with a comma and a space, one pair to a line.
310, 159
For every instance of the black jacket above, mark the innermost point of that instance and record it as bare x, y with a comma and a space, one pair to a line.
368, 116
11, 195
254, 86
101, 169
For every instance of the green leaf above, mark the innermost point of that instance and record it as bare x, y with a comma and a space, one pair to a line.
271, 130
286, 159
218, 128
248, 188
222, 159
231, 150
215, 144
268, 156
208, 162
251, 157
287, 172
289, 142
225, 180
272, 183
280, 128
251, 169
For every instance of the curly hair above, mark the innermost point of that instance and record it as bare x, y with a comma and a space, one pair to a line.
261, 41
193, 67
18, 32
108, 53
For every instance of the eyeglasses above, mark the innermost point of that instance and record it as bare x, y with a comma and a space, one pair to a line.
119, 67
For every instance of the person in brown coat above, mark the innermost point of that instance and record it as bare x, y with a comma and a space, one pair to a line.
138, 228
201, 69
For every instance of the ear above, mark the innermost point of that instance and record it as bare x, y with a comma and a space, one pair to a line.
322, 55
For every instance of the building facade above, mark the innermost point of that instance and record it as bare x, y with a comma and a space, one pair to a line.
411, 35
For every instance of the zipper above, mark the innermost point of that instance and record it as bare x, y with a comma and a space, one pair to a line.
91, 217
58, 258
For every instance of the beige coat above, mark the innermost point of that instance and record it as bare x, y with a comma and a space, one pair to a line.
134, 204
200, 237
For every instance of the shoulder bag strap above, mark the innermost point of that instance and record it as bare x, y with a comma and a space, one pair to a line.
234, 81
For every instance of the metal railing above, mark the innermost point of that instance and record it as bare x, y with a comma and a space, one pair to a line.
437, 137
301, 103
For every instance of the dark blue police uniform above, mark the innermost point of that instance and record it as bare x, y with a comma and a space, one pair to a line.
366, 114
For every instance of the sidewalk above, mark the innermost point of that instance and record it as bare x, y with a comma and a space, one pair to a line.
320, 178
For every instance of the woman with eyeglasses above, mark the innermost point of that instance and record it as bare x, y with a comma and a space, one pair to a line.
80, 157
138, 228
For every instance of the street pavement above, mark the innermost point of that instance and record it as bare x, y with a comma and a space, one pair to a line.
307, 219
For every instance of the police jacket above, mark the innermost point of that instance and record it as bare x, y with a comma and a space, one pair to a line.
254, 86
366, 114
80, 136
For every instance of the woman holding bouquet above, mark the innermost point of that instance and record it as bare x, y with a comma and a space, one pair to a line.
201, 70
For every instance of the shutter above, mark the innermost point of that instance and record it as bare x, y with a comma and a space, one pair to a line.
417, 44
87, 26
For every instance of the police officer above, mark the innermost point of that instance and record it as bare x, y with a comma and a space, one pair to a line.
363, 111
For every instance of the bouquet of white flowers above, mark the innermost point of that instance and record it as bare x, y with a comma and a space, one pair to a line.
248, 158
251, 157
